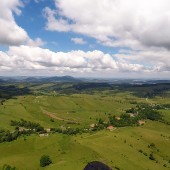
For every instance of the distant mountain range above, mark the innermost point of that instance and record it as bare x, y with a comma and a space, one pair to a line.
2, 81
22, 79
39, 79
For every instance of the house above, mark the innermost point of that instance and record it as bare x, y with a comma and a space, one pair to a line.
48, 130
63, 127
141, 122
110, 128
92, 125
21, 129
44, 135
86, 129
117, 118
131, 115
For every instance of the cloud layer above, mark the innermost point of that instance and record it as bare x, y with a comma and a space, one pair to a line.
119, 23
10, 32
142, 26
36, 58
78, 41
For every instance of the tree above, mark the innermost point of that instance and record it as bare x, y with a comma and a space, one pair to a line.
151, 157
45, 160
8, 167
100, 121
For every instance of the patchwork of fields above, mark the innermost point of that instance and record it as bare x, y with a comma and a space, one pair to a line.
123, 148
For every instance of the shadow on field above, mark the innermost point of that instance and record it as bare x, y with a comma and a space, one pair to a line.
10, 91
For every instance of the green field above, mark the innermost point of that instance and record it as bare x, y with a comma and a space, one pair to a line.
123, 148
82, 108
117, 148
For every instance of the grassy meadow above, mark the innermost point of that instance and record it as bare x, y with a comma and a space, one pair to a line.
125, 148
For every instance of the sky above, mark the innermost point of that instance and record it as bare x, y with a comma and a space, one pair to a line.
85, 38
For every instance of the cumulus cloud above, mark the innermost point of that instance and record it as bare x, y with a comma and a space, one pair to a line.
119, 23
141, 25
36, 58
78, 41
36, 42
23, 58
10, 32
155, 59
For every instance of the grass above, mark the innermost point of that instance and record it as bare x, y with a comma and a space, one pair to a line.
80, 107
118, 148
65, 153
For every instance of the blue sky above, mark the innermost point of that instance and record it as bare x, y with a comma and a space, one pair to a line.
33, 21
121, 38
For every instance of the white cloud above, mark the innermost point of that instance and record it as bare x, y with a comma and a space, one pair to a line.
156, 59
132, 23
60, 25
143, 25
10, 32
78, 41
37, 42
36, 58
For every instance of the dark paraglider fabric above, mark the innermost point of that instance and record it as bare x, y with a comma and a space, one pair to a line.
96, 166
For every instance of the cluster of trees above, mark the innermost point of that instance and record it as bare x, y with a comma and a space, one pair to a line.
2, 101
141, 111
131, 110
167, 106
72, 131
146, 111
9, 91
7, 136
45, 160
8, 167
151, 157
100, 125
147, 90
125, 120
68, 131
77, 87
27, 124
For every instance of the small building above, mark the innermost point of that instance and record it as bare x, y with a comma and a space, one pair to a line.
92, 125
63, 127
21, 129
131, 114
85, 129
110, 128
117, 118
48, 130
141, 122
44, 135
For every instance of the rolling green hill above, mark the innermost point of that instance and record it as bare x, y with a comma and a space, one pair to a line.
124, 148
